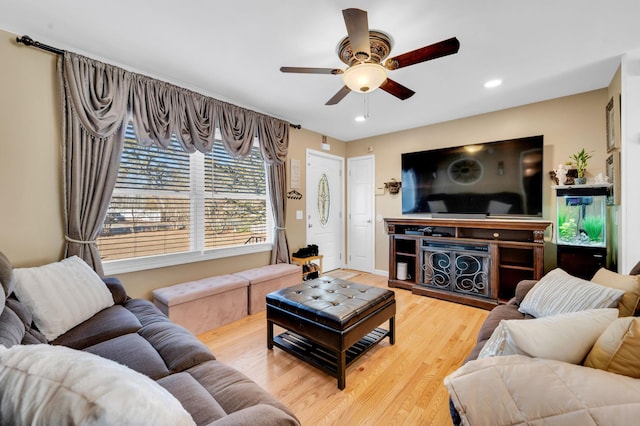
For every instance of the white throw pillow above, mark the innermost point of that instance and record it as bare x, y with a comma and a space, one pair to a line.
564, 337
61, 295
55, 385
558, 292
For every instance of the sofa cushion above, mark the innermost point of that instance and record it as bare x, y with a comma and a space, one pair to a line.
629, 283
146, 312
236, 393
179, 348
203, 408
558, 292
133, 351
44, 384
61, 295
565, 337
617, 349
106, 324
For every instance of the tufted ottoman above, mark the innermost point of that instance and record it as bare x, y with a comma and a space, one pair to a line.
330, 322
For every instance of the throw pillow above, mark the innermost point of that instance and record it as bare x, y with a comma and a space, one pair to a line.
629, 283
61, 295
45, 384
617, 349
564, 337
558, 292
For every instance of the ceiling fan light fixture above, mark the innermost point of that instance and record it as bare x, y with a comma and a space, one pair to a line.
365, 77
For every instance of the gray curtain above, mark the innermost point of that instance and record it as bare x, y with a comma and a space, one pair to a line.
97, 97
274, 143
95, 110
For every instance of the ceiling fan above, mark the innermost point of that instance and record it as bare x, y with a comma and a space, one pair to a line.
364, 50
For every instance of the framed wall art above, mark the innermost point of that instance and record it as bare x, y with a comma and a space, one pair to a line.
612, 134
613, 173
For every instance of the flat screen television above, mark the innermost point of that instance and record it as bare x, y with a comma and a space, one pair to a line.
502, 178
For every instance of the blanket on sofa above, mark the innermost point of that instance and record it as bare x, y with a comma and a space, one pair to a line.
504, 391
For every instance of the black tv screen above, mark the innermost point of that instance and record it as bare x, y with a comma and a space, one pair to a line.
501, 178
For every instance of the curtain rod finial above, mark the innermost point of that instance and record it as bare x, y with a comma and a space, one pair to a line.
26, 40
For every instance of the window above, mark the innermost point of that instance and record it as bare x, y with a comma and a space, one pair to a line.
169, 202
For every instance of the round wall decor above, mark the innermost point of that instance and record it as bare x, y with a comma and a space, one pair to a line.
465, 171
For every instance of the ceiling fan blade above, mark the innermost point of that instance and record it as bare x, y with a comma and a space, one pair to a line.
303, 70
426, 53
357, 25
397, 89
339, 96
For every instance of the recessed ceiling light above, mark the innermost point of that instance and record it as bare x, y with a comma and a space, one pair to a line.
360, 118
493, 83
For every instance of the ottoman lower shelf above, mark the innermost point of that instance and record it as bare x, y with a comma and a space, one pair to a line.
321, 357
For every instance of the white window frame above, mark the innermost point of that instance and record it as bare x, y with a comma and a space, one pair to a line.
197, 252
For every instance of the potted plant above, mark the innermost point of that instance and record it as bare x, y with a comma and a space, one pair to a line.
579, 160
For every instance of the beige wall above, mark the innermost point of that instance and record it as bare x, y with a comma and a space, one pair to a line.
31, 216
568, 124
31, 220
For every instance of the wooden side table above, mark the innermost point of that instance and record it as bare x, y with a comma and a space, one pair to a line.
306, 260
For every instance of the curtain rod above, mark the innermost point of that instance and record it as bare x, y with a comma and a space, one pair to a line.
28, 41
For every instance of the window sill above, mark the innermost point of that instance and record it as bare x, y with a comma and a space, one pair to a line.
114, 267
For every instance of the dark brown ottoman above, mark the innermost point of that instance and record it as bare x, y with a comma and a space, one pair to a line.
330, 322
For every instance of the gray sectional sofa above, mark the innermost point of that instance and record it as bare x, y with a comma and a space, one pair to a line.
511, 383
134, 334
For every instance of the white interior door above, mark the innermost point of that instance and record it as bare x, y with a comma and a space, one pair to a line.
361, 176
325, 200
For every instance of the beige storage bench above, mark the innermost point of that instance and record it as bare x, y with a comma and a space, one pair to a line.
265, 279
205, 304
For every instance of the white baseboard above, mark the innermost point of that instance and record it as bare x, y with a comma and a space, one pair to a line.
381, 272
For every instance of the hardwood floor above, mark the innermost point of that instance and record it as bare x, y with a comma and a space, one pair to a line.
392, 385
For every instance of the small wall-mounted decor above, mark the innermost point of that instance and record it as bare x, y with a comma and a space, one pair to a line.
613, 174
566, 176
612, 140
393, 186
294, 195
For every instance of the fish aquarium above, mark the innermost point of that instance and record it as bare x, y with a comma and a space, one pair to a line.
581, 215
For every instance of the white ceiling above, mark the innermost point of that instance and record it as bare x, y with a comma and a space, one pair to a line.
233, 50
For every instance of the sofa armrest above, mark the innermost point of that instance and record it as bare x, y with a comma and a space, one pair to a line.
117, 290
522, 289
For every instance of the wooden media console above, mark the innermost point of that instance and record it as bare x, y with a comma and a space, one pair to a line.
477, 262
